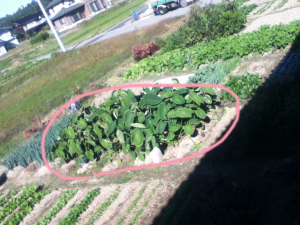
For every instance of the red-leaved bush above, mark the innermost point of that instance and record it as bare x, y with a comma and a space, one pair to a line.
139, 53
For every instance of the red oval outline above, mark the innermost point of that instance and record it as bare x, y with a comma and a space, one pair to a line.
144, 166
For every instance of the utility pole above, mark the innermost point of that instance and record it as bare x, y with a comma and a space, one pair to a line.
52, 27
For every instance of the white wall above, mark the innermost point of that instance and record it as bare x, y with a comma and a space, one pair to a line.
7, 36
58, 7
2, 50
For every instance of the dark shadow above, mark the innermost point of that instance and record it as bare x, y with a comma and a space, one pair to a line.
3, 178
254, 176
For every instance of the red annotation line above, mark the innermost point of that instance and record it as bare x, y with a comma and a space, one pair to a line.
144, 166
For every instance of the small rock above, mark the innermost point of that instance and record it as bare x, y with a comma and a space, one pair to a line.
84, 168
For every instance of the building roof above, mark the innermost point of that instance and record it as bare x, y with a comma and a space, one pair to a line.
28, 19
4, 30
65, 11
53, 3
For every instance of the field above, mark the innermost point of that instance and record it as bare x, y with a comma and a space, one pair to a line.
247, 179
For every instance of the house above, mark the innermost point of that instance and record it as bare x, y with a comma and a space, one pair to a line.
7, 40
34, 22
66, 14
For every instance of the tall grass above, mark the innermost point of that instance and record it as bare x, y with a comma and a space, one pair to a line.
5, 64
49, 84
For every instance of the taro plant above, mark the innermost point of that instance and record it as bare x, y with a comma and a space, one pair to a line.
135, 123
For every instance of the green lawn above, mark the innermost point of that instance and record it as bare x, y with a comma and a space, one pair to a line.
5, 64
96, 25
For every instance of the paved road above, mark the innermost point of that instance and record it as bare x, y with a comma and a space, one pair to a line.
124, 27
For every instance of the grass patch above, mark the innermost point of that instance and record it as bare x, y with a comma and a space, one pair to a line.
96, 25
5, 64
49, 82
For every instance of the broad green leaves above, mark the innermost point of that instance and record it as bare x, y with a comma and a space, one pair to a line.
134, 124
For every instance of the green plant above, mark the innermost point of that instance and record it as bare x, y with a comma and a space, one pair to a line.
29, 192
5, 64
39, 38
30, 151
103, 207
281, 4
73, 215
135, 123
276, 37
63, 200
206, 24
211, 74
243, 86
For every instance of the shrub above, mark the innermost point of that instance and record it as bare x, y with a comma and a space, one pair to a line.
206, 24
139, 53
39, 38
211, 74
244, 86
160, 42
135, 124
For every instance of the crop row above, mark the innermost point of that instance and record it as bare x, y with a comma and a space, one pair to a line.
7, 197
73, 215
63, 200
257, 42
103, 207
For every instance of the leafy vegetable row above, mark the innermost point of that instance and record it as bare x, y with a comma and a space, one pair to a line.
135, 124
72, 217
260, 41
15, 202
26, 208
133, 205
63, 200
103, 207
5, 198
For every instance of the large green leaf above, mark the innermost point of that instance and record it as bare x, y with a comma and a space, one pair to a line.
149, 123
89, 155
196, 98
90, 141
138, 125
106, 116
121, 124
162, 111
184, 112
173, 127
194, 121
208, 90
208, 99
200, 113
166, 94
142, 156
138, 137
128, 118
81, 124
97, 130
111, 127
170, 136
141, 117
120, 136
151, 99
178, 99
106, 143
125, 102
172, 114
60, 153
189, 129
75, 147
69, 132
181, 91
161, 126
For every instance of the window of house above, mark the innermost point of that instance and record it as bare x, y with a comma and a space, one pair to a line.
95, 6
76, 17
62, 21
103, 2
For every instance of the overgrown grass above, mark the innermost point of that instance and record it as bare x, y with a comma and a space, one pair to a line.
50, 81
96, 25
5, 64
